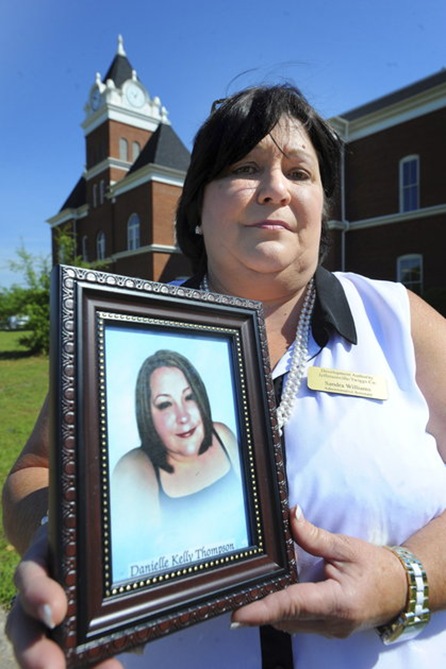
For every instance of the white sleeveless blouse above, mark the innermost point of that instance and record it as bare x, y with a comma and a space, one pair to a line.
358, 466
366, 467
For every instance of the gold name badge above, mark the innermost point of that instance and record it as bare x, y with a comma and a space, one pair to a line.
347, 383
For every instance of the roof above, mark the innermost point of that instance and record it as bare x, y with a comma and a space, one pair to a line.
119, 71
77, 197
397, 96
164, 148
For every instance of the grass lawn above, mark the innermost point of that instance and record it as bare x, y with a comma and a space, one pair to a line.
23, 386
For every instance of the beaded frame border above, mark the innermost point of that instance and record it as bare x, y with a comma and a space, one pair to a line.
104, 619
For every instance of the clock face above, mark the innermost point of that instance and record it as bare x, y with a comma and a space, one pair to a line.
135, 95
95, 99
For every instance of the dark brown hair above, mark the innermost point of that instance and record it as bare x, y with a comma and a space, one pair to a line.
232, 131
151, 442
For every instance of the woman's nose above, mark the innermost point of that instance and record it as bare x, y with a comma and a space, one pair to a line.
274, 188
182, 415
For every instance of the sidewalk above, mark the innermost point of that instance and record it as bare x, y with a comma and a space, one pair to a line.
7, 657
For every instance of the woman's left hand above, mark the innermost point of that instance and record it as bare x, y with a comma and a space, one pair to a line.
364, 586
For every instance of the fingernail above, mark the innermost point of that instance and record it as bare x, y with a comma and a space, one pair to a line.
298, 514
236, 626
46, 616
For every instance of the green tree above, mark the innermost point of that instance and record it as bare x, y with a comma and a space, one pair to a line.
31, 299
10, 304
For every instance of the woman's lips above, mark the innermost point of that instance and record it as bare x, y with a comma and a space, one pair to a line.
186, 435
271, 225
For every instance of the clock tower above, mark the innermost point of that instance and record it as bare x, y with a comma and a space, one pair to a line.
120, 118
122, 210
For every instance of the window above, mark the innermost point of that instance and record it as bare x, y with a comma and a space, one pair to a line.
133, 229
85, 248
136, 150
410, 272
123, 149
95, 195
102, 191
409, 183
100, 245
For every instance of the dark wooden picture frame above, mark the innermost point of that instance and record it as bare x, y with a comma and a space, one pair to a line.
109, 614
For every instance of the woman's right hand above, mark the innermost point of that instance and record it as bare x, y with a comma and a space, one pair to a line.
40, 605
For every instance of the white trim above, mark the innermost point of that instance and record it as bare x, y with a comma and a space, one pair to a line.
67, 215
150, 248
399, 217
391, 115
107, 164
111, 112
151, 172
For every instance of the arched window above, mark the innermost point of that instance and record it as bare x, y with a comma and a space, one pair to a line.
410, 271
102, 191
136, 150
409, 183
95, 195
100, 245
85, 248
123, 149
133, 232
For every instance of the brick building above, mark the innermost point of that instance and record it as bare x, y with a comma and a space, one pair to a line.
122, 209
391, 220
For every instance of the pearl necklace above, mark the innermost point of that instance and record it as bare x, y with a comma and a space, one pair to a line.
298, 357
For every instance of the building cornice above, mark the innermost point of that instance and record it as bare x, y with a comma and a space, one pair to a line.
107, 164
391, 115
111, 112
150, 172
399, 217
149, 248
68, 215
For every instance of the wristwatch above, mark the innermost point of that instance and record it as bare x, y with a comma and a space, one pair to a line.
415, 617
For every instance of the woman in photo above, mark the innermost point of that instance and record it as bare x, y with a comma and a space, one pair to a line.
181, 488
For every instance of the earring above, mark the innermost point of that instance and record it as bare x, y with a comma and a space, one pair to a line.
198, 230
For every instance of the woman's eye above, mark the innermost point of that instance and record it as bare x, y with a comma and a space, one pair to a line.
162, 406
190, 397
243, 170
298, 175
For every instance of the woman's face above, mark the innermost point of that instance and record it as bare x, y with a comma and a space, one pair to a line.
175, 413
263, 215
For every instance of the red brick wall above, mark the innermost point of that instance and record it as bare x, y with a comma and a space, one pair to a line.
372, 166
97, 145
164, 203
136, 201
374, 251
128, 132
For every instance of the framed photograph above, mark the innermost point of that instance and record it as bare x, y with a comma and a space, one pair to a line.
168, 500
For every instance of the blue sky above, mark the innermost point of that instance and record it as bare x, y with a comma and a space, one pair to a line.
341, 54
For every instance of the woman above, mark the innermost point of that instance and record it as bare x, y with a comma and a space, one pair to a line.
181, 489
368, 472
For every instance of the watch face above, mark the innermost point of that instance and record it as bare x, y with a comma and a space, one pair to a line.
135, 95
95, 99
